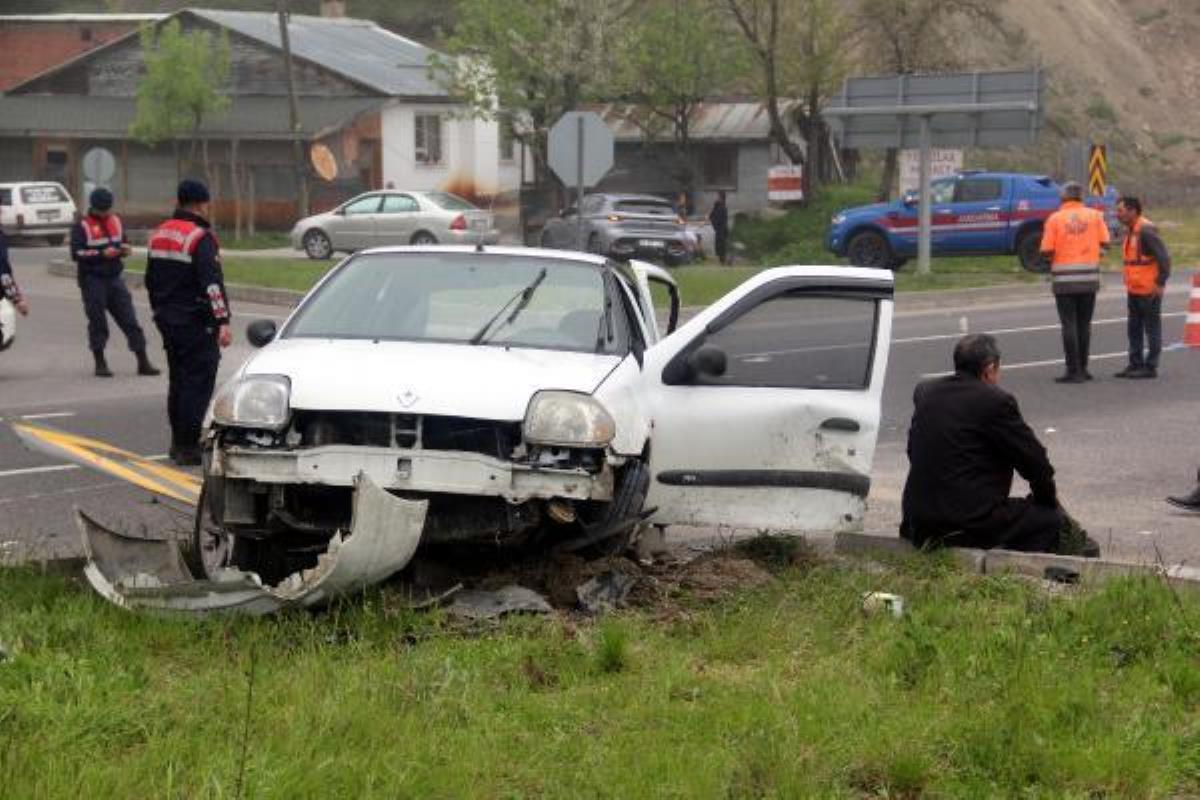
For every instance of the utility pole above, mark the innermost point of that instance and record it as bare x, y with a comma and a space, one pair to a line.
298, 165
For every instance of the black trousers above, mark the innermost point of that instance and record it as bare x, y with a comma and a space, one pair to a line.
1145, 330
1075, 313
721, 245
1017, 524
103, 295
193, 356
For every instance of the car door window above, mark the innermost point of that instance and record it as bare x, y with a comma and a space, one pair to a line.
977, 190
942, 191
799, 340
367, 205
398, 204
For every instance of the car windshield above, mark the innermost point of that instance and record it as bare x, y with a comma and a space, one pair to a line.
43, 194
449, 202
645, 207
451, 297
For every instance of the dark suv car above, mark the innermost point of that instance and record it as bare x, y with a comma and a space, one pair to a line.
623, 226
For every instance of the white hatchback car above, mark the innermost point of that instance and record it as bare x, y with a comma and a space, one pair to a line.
519, 395
40, 209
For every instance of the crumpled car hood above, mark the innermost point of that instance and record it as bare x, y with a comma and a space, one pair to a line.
484, 382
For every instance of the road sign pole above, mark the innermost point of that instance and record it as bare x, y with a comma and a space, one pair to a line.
579, 184
923, 213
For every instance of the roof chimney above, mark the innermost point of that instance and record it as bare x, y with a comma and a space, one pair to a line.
333, 8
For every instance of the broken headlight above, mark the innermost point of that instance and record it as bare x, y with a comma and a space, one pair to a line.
568, 419
256, 401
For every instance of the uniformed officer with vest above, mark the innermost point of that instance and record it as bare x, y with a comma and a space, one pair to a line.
1147, 267
1072, 240
187, 295
97, 246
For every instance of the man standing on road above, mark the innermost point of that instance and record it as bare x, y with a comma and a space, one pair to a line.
187, 295
966, 439
1072, 240
718, 217
97, 247
1147, 267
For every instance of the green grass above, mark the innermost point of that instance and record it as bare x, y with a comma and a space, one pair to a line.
264, 240
279, 273
988, 687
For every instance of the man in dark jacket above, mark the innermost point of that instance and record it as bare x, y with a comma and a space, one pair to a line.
187, 294
718, 217
97, 246
966, 439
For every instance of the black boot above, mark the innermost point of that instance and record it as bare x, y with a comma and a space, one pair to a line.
144, 365
102, 370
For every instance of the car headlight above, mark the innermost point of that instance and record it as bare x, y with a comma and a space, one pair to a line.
838, 219
568, 419
256, 401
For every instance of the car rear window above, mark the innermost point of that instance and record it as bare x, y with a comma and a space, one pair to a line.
5, 197
34, 195
450, 202
644, 207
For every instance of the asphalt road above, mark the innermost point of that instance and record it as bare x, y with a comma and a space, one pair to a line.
1119, 446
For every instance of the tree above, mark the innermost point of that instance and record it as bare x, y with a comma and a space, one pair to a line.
182, 85
671, 61
531, 61
903, 37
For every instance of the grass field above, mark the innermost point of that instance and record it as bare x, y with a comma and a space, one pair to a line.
987, 687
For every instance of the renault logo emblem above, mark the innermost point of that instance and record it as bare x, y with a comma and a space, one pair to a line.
408, 398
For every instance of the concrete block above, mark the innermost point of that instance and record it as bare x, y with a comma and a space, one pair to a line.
869, 544
1091, 570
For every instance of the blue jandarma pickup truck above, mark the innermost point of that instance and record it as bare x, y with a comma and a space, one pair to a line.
972, 213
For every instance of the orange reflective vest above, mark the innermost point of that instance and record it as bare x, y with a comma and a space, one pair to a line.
100, 233
1141, 269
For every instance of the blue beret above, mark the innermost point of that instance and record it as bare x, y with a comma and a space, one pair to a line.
101, 199
191, 191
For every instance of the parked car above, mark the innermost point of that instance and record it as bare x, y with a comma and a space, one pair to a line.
38, 209
394, 218
972, 213
623, 226
518, 396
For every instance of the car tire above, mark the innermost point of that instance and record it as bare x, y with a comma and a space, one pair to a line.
870, 249
317, 245
55, 241
544, 240
593, 244
1029, 252
423, 238
626, 507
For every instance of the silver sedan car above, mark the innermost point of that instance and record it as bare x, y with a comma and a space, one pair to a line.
624, 226
394, 218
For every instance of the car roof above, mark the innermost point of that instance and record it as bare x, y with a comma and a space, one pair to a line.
14, 184
617, 198
979, 173
502, 250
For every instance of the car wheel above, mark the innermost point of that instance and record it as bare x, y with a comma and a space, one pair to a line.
55, 241
1029, 251
870, 249
544, 241
623, 515
423, 238
593, 244
317, 245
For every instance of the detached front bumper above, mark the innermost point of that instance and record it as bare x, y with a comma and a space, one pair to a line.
423, 471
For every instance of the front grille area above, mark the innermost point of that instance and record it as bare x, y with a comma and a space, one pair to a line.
412, 431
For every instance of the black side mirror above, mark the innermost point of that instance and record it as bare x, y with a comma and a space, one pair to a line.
261, 332
707, 360
911, 198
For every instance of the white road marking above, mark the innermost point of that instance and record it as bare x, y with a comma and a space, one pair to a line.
1050, 362
49, 415
940, 337
16, 473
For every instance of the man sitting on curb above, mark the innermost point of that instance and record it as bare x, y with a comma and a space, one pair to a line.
966, 439
1188, 502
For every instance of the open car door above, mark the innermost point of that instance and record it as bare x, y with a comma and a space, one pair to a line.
766, 405
646, 276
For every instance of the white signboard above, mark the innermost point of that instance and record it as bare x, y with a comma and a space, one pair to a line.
942, 164
785, 183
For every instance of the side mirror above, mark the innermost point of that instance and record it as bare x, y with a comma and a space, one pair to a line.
707, 360
261, 332
911, 198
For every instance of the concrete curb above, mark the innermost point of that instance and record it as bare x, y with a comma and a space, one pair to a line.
1090, 571
261, 295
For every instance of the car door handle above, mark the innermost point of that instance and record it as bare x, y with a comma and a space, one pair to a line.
841, 424
992, 208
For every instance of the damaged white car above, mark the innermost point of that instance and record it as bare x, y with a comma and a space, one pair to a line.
527, 396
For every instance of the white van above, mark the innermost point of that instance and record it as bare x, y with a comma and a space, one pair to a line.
41, 209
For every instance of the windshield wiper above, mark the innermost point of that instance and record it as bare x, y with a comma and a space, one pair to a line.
524, 296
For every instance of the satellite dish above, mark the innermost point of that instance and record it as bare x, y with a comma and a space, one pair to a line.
99, 166
323, 161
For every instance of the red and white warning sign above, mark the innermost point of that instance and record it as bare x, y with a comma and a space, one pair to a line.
785, 183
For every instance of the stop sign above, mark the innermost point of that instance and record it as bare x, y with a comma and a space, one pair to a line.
580, 141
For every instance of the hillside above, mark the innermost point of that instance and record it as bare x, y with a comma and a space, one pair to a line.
1123, 72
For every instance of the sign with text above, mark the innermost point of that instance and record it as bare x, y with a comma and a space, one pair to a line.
942, 164
785, 183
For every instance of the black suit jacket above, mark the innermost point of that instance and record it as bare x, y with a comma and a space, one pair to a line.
967, 438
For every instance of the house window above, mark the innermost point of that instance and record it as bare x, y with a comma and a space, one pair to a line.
507, 139
428, 139
719, 166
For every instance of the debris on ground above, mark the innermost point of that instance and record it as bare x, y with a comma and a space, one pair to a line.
883, 603
478, 604
604, 592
